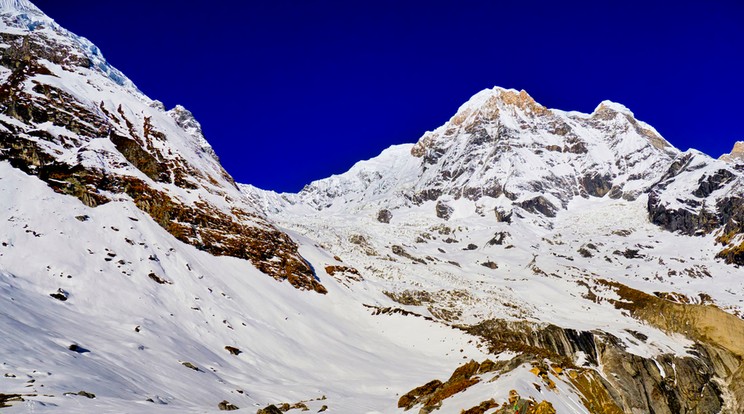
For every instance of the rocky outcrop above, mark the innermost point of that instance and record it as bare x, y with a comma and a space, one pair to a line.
736, 156
141, 161
384, 216
482, 407
627, 382
710, 183
547, 341
540, 205
681, 220
667, 384
719, 337
271, 409
401, 251
443, 210
6, 399
502, 216
596, 185
431, 395
698, 196
733, 254
227, 406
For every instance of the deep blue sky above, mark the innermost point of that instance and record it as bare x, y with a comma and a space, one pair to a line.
292, 91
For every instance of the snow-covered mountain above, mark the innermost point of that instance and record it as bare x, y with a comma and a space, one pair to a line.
503, 143
579, 259
515, 216
84, 128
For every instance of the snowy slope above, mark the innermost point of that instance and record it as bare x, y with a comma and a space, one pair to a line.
294, 346
508, 249
105, 296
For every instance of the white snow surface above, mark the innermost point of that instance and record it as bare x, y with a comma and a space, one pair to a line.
295, 345
18, 6
139, 304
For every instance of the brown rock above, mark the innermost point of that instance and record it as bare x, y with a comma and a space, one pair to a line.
226, 406
736, 155
271, 409
233, 350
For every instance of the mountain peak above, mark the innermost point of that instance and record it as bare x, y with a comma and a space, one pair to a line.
18, 5
488, 104
608, 107
505, 96
736, 155
125, 243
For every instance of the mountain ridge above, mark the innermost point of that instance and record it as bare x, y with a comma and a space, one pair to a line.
119, 142
515, 247
547, 156
586, 196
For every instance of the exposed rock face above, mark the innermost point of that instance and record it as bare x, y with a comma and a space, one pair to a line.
719, 337
272, 409
502, 216
444, 211
698, 195
384, 216
733, 254
537, 340
596, 185
123, 145
227, 406
400, 251
482, 407
667, 384
540, 205
5, 399
433, 393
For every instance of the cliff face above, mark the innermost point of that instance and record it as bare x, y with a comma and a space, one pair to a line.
70, 119
699, 195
